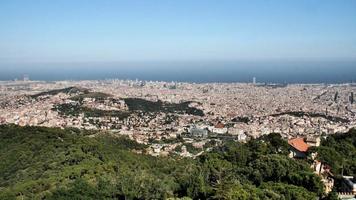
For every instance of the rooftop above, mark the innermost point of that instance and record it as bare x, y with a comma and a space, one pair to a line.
299, 144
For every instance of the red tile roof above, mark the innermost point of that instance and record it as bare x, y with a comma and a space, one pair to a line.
299, 144
219, 125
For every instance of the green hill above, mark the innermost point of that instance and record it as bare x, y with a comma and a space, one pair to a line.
69, 90
51, 163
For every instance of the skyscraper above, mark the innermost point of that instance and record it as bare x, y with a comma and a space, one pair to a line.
254, 80
352, 98
26, 77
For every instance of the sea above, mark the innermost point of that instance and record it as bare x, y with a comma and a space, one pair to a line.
284, 72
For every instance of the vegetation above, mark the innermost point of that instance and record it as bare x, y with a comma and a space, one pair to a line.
96, 95
241, 119
75, 109
69, 90
51, 163
311, 114
136, 104
339, 152
69, 109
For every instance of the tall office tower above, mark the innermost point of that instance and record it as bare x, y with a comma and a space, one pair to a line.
254, 80
352, 98
26, 77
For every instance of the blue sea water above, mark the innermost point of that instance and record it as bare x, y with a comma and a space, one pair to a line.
199, 72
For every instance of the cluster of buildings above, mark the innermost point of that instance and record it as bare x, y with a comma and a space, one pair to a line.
299, 148
266, 108
301, 113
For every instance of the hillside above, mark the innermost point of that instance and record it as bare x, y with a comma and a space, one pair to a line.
50, 163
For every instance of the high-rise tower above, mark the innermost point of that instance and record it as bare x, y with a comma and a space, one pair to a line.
26, 77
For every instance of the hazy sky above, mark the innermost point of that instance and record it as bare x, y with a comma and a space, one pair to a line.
134, 30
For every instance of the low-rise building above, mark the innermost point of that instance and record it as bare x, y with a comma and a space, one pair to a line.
298, 148
313, 141
219, 129
198, 132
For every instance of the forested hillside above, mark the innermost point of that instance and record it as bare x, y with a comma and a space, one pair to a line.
51, 163
339, 152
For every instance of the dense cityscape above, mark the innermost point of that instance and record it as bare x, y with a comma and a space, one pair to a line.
237, 109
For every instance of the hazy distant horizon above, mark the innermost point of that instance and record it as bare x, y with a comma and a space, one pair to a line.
193, 41
199, 72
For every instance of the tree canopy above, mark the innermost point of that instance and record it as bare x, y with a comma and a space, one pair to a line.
51, 163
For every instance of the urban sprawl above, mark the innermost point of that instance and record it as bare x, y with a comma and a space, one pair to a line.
186, 119
152, 112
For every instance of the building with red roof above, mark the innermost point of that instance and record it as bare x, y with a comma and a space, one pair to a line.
219, 128
298, 148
